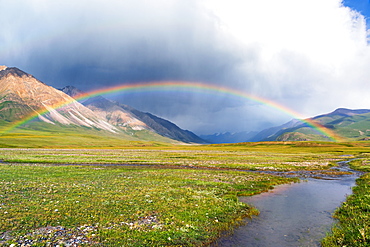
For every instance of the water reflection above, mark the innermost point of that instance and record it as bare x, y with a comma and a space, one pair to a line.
292, 215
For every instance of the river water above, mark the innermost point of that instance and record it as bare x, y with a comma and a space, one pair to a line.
297, 214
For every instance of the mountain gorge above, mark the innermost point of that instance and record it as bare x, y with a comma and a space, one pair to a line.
22, 96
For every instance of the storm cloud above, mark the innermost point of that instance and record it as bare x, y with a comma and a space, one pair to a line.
309, 55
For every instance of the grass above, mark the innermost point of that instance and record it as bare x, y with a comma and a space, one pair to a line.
44, 135
361, 164
256, 156
124, 206
353, 228
180, 156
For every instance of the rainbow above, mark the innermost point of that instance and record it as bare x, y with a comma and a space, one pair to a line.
189, 86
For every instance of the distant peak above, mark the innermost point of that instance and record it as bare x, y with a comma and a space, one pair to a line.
70, 88
3, 67
72, 91
349, 112
339, 110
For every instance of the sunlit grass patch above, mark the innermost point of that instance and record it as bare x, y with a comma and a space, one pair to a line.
122, 206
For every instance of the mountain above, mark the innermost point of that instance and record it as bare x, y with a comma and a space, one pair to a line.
341, 112
352, 124
126, 117
347, 123
270, 134
113, 113
72, 91
22, 95
164, 127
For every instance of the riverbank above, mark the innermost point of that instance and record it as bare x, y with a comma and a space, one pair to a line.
297, 214
353, 227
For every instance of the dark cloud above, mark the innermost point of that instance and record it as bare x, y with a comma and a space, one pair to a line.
126, 43
277, 55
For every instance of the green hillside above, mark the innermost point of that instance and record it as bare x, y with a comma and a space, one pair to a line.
351, 125
12, 111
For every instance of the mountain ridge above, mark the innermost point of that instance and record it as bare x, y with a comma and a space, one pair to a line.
126, 116
351, 124
344, 112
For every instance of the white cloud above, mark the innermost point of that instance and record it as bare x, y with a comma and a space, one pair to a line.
307, 52
318, 29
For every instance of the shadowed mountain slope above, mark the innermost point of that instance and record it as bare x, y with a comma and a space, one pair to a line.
127, 117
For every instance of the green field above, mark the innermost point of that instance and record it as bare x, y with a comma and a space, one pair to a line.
152, 194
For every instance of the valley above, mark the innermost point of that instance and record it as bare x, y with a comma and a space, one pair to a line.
77, 169
30, 104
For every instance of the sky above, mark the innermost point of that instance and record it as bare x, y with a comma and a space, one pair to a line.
310, 56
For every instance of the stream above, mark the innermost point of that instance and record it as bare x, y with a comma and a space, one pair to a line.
298, 214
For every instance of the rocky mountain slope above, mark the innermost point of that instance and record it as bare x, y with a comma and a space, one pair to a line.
22, 95
126, 117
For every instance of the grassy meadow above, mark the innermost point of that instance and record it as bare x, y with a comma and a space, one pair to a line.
43, 135
123, 206
284, 156
149, 195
